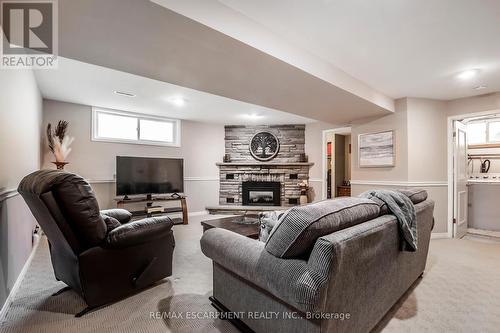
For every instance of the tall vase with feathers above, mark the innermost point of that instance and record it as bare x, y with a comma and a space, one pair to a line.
59, 143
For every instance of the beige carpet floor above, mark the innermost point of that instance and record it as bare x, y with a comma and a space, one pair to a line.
460, 292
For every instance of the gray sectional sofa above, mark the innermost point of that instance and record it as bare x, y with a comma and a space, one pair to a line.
331, 266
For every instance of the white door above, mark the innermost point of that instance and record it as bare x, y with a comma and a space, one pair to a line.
460, 191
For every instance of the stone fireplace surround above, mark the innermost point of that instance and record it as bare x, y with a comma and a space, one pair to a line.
286, 168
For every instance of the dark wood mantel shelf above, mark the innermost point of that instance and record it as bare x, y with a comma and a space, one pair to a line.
282, 164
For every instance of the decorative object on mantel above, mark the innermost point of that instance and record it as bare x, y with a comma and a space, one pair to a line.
60, 165
226, 158
376, 150
264, 146
59, 143
304, 188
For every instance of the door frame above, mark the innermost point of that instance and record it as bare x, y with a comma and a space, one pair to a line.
339, 130
451, 156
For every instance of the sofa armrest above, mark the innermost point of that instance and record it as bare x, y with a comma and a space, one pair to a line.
123, 216
369, 272
235, 252
293, 281
139, 232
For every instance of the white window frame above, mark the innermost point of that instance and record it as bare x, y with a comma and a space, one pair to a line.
487, 137
488, 123
176, 127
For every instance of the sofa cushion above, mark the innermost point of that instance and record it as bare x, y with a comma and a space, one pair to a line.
300, 227
79, 205
111, 222
267, 222
416, 196
122, 215
139, 232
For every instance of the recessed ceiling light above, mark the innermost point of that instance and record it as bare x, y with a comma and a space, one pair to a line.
122, 93
177, 100
480, 87
468, 74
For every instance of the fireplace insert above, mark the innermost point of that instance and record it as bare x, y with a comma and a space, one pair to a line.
261, 193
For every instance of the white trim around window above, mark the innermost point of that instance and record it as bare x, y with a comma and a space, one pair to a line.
176, 123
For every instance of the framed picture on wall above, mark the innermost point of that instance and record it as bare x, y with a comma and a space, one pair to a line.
376, 150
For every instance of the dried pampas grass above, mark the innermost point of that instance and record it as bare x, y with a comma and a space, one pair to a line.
58, 142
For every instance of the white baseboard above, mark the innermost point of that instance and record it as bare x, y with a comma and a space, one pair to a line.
403, 183
486, 233
439, 235
9, 193
19, 279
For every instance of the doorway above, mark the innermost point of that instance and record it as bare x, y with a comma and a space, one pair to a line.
336, 162
474, 175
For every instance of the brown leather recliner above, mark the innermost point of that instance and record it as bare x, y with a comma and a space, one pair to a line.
99, 254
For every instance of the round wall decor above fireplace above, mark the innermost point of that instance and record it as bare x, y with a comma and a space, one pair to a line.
264, 146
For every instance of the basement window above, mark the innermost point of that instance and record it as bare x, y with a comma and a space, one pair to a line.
483, 133
126, 127
476, 133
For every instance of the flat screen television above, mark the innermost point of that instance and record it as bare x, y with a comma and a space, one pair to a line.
149, 175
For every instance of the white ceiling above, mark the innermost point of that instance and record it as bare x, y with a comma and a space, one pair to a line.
145, 39
401, 48
78, 82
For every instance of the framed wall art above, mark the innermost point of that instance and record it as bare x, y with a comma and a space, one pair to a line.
376, 150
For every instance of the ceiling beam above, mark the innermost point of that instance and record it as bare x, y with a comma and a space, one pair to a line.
143, 38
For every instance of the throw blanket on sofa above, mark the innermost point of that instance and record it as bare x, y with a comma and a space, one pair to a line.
404, 210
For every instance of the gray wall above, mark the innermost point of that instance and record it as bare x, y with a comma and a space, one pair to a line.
20, 120
487, 102
396, 122
202, 145
421, 157
427, 154
20, 117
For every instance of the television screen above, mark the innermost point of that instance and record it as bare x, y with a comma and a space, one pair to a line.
147, 175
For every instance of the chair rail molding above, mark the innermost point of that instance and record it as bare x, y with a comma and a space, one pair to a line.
8, 193
201, 179
400, 183
187, 179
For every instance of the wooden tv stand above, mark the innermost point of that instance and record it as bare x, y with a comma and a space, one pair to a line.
121, 203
